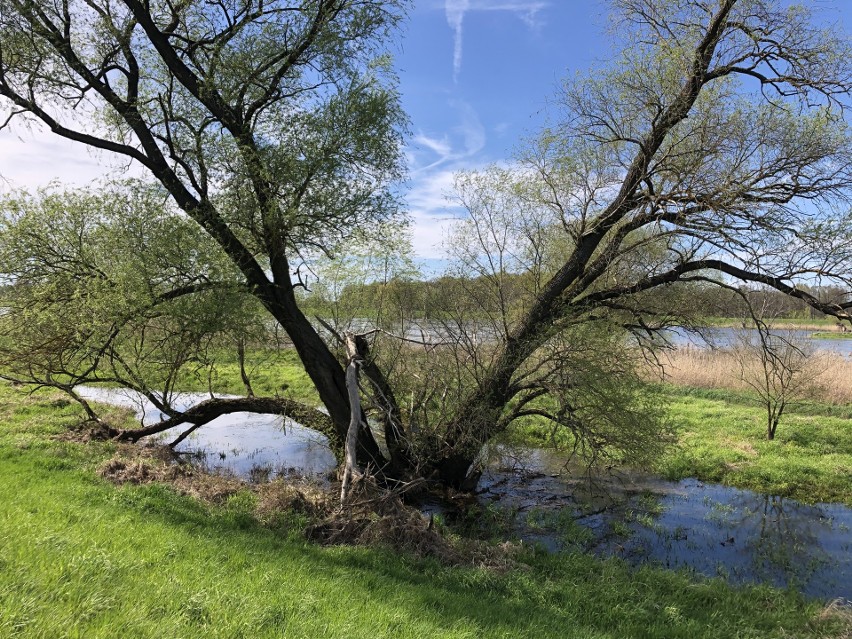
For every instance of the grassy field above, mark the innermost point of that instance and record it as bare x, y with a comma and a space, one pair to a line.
722, 438
721, 428
81, 557
271, 372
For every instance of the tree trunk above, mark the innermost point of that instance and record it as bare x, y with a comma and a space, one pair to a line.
241, 358
350, 464
326, 373
478, 420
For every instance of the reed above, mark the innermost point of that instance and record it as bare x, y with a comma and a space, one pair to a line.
830, 374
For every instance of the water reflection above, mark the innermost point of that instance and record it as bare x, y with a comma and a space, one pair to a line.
745, 537
711, 529
727, 337
249, 445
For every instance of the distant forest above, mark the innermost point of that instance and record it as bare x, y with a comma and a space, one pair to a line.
444, 296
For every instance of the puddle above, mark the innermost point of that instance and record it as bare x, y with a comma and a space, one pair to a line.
531, 494
252, 446
744, 537
711, 529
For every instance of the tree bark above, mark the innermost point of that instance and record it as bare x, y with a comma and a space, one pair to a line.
241, 358
325, 372
350, 464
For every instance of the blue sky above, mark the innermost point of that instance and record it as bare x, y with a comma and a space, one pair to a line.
475, 77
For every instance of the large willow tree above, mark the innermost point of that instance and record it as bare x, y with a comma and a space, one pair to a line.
713, 148
274, 126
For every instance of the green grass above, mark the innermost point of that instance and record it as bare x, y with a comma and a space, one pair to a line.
271, 372
736, 322
80, 557
722, 438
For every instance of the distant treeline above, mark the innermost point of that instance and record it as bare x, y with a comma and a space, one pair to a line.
450, 296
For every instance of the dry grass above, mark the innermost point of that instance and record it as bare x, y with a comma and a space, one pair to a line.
147, 464
719, 368
374, 517
378, 517
839, 611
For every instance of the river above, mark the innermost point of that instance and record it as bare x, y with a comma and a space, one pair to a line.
726, 337
433, 331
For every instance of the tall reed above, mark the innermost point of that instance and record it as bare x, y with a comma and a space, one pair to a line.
720, 368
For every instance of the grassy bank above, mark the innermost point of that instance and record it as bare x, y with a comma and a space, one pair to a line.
83, 558
271, 372
831, 335
722, 438
721, 428
824, 324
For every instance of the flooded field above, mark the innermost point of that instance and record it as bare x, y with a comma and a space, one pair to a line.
534, 495
711, 529
248, 445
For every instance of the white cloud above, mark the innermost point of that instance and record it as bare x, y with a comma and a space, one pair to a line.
30, 159
470, 128
455, 10
430, 192
434, 161
501, 128
440, 147
463, 141
526, 10
432, 212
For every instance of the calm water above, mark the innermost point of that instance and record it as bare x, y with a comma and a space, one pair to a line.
725, 337
434, 331
710, 529
246, 444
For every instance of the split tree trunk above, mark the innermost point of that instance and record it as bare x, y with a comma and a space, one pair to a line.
350, 463
241, 358
326, 374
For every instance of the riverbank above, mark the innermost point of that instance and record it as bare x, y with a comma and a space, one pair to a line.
831, 335
720, 425
720, 436
271, 371
83, 557
828, 325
